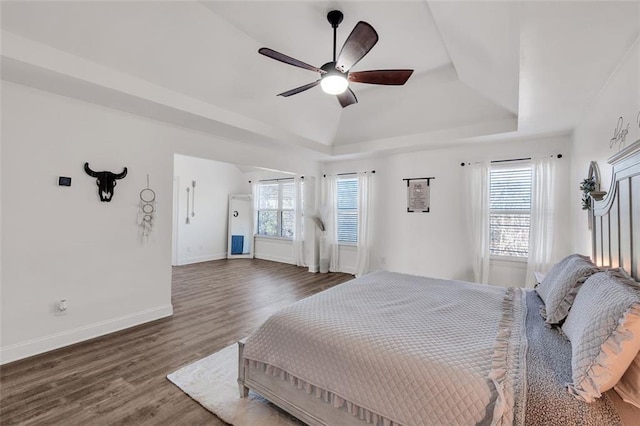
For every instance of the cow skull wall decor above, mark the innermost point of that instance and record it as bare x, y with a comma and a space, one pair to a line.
106, 181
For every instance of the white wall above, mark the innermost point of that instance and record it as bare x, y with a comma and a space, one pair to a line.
620, 97
60, 242
205, 236
347, 258
436, 244
274, 249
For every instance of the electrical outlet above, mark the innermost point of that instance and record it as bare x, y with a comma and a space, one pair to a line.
61, 307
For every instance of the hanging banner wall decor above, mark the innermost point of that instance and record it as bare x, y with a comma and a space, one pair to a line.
418, 194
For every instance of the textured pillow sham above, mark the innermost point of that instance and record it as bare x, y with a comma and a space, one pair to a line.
604, 329
560, 285
545, 285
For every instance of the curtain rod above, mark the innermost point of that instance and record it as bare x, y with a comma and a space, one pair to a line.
509, 160
278, 180
349, 173
275, 180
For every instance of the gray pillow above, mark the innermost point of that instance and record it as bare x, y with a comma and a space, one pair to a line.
604, 329
559, 287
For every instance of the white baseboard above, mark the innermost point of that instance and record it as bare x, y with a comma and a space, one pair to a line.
348, 270
198, 259
48, 343
280, 259
316, 269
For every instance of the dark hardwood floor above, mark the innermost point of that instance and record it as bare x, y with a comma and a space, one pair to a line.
121, 378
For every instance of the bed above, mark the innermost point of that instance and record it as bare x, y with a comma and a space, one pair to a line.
392, 349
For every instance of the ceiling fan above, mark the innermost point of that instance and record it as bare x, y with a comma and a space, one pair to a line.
335, 75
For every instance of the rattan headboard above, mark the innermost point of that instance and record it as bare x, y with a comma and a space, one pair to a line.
616, 218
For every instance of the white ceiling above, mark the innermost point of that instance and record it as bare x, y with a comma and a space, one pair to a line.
515, 69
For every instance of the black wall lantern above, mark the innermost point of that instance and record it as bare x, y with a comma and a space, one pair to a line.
106, 181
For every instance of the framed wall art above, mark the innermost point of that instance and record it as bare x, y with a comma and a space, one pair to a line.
418, 194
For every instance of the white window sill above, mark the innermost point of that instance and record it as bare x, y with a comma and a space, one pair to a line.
270, 238
520, 262
348, 246
511, 259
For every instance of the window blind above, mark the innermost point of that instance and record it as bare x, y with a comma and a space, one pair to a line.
510, 204
347, 210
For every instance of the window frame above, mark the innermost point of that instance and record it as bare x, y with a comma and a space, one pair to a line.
350, 210
281, 208
278, 211
511, 165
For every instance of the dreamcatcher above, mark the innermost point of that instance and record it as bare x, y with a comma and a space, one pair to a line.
147, 211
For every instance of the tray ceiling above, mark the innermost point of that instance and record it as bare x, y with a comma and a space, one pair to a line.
481, 68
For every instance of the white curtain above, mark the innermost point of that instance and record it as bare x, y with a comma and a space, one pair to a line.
328, 213
543, 217
477, 201
298, 232
364, 230
254, 194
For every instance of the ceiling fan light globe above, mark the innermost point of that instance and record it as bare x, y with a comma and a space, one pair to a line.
334, 84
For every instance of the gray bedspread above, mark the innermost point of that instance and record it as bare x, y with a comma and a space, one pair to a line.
401, 349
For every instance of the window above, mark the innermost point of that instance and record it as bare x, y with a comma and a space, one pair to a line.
347, 209
510, 204
276, 208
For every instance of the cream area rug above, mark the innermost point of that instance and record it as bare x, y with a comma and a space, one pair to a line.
211, 381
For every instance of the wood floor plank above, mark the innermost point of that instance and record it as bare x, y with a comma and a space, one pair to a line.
120, 379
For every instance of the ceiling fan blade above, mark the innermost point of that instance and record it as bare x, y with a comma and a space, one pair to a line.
288, 60
387, 77
359, 43
299, 89
347, 98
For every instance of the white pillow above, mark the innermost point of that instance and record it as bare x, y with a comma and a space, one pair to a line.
560, 285
604, 329
629, 386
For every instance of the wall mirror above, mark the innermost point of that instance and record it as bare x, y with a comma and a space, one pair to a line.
240, 226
